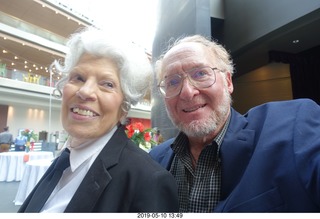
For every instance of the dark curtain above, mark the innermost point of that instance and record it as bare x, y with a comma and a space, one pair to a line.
304, 71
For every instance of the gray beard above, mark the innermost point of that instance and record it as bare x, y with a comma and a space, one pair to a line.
202, 128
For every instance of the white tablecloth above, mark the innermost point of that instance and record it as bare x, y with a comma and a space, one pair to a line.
12, 164
32, 174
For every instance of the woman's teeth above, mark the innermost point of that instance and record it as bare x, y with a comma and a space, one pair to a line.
83, 112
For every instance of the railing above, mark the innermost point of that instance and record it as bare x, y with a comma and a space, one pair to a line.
24, 76
37, 147
41, 146
143, 105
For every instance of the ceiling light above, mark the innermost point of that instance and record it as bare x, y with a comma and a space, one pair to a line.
295, 41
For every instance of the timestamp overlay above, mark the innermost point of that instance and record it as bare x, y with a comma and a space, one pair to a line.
175, 215
160, 215
226, 215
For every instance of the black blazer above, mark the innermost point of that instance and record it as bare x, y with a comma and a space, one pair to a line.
123, 178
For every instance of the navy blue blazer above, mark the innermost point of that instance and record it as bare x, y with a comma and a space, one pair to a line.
270, 159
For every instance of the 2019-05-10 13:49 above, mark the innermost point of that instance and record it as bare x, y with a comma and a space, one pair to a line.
160, 215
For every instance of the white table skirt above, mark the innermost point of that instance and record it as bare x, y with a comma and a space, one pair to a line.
12, 164
32, 174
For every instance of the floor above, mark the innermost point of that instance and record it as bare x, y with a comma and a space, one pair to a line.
8, 192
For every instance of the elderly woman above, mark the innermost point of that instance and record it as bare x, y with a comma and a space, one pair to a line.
107, 172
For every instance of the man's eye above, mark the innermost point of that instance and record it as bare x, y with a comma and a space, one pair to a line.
199, 75
173, 82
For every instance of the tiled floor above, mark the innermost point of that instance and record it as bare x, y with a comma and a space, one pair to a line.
8, 191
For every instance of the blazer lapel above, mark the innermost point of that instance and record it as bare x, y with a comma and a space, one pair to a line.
98, 177
167, 157
236, 150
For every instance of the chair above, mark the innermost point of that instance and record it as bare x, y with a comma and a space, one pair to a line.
4, 147
49, 146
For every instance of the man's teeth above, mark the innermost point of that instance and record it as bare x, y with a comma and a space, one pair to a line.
193, 109
83, 112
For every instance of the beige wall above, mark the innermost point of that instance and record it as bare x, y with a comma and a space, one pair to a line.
3, 116
268, 83
35, 118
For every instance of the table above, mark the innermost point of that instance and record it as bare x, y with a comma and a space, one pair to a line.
12, 164
32, 174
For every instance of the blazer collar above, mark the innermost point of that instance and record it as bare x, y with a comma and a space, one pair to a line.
98, 176
235, 152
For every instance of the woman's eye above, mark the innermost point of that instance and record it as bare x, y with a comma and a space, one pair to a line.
108, 84
79, 78
76, 78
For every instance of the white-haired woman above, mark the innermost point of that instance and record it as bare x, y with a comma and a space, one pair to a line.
108, 172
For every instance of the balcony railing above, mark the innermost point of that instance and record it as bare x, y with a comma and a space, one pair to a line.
34, 89
24, 76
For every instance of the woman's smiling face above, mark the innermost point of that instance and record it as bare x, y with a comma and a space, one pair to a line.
92, 98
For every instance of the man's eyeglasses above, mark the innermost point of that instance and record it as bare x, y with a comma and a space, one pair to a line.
200, 78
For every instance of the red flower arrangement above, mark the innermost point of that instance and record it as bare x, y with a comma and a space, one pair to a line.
140, 136
30, 135
31, 138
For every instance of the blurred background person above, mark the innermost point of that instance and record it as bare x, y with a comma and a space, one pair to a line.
6, 140
20, 143
157, 137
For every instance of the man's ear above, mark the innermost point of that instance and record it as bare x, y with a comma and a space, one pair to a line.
229, 82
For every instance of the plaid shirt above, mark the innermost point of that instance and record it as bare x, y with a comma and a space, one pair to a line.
198, 189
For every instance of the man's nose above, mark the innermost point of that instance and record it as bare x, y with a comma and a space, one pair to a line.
188, 90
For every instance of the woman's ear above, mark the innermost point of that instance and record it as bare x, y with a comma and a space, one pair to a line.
123, 117
124, 108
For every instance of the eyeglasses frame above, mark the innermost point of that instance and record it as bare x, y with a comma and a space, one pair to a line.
186, 75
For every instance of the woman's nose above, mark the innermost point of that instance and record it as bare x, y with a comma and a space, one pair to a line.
87, 91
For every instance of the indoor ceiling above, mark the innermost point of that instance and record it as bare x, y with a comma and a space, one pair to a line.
62, 24
295, 37
25, 56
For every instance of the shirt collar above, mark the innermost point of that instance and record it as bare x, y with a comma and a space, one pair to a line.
88, 149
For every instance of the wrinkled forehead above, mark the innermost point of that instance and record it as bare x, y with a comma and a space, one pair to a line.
185, 56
